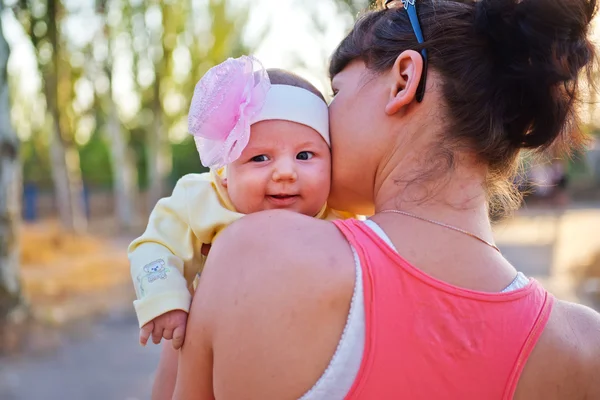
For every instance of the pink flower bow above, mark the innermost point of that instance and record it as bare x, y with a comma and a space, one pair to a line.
225, 100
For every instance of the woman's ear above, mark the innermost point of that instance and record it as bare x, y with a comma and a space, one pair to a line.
404, 80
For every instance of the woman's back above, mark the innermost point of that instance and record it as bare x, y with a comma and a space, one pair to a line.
307, 287
427, 339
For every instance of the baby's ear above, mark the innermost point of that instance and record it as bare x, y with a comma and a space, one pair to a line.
224, 182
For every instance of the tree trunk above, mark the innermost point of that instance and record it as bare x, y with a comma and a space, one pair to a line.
159, 152
10, 196
159, 148
67, 197
123, 166
66, 168
124, 172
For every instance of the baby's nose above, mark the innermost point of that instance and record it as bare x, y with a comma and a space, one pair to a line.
285, 171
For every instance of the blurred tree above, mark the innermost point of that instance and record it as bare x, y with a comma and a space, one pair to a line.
186, 160
190, 38
224, 35
163, 39
346, 11
124, 173
10, 193
41, 20
162, 48
354, 7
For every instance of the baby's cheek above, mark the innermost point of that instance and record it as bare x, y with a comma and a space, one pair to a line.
242, 201
249, 199
242, 190
321, 183
325, 174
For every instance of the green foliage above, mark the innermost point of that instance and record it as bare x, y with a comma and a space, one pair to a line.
95, 161
201, 34
354, 6
185, 160
96, 166
36, 163
157, 47
138, 146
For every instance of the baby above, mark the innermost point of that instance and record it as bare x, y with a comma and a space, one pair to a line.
265, 137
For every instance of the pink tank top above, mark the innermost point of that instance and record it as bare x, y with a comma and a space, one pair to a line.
426, 339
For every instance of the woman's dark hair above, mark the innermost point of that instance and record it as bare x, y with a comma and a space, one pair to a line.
509, 71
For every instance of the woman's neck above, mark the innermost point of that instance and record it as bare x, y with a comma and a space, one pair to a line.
448, 191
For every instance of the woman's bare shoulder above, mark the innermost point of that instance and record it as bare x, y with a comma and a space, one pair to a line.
279, 235
278, 249
581, 327
275, 292
578, 331
565, 363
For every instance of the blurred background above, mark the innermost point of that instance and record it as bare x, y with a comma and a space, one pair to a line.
93, 131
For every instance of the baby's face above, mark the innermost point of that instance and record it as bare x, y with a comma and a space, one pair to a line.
286, 165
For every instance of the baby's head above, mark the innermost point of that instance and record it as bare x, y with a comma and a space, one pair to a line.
270, 130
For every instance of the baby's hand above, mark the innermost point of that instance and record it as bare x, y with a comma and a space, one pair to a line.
170, 325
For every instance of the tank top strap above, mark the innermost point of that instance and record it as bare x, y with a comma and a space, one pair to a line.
532, 338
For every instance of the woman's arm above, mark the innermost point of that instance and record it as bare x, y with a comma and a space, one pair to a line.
194, 371
166, 373
269, 311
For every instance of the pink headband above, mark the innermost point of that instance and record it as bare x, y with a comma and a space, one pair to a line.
232, 96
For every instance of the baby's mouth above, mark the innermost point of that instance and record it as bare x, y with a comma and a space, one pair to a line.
282, 200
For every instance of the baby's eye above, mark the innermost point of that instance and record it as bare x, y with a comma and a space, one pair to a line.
261, 158
305, 155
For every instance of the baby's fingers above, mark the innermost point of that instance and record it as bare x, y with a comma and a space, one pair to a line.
168, 334
157, 333
178, 336
145, 333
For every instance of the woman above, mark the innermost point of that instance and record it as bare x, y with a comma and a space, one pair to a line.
416, 303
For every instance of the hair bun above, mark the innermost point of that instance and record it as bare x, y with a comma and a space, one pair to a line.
534, 44
534, 34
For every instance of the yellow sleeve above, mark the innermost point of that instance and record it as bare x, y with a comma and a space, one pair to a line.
331, 215
165, 259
